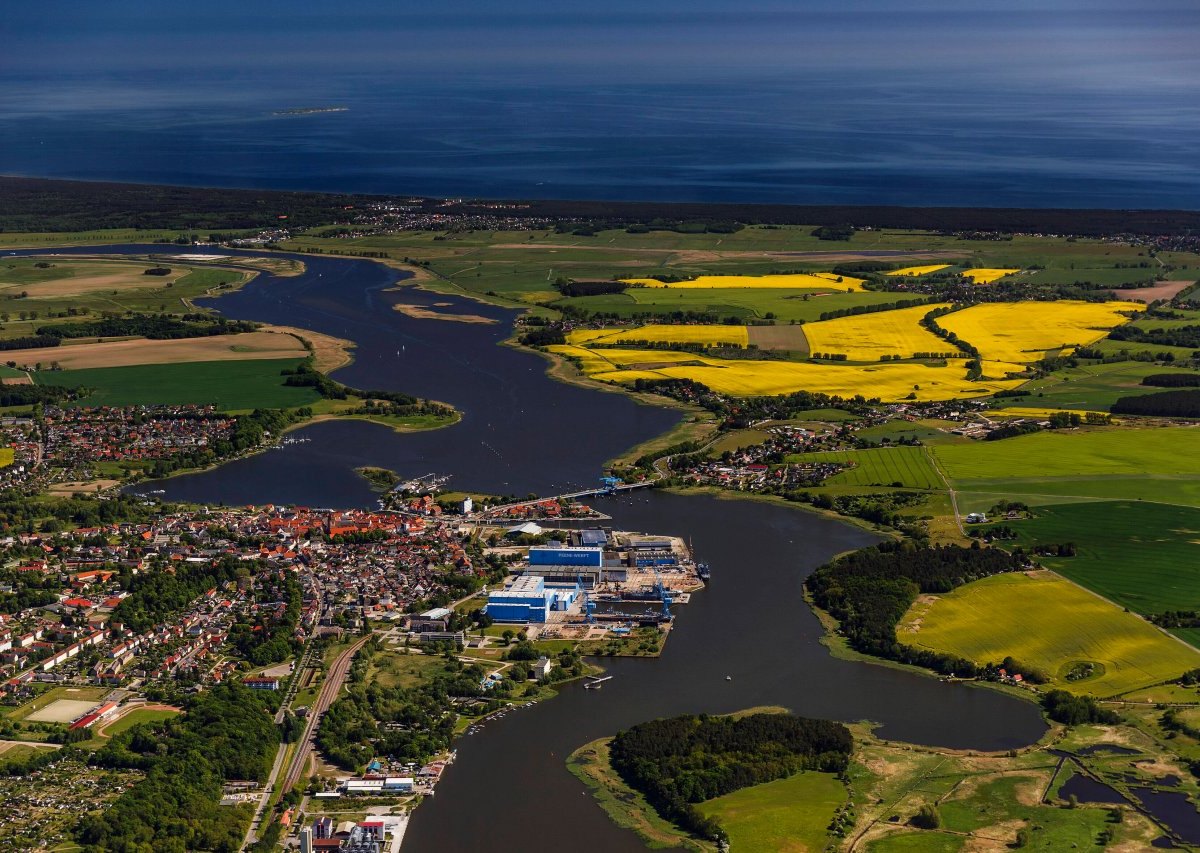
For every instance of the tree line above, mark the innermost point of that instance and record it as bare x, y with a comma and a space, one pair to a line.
684, 760
870, 590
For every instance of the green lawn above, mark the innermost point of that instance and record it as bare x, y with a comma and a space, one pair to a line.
1047, 622
1143, 556
229, 385
909, 467
791, 814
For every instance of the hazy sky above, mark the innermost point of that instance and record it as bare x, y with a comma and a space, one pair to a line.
1075, 43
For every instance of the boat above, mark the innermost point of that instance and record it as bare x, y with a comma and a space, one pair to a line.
703, 571
729, 678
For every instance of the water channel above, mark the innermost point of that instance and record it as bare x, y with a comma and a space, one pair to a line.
522, 431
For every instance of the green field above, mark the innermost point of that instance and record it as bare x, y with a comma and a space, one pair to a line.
1093, 387
907, 467
523, 265
78, 285
1161, 465
1050, 623
789, 815
784, 303
229, 385
1141, 555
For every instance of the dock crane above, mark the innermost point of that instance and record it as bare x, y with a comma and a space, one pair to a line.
589, 606
663, 593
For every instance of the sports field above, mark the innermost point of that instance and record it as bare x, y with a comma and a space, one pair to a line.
819, 280
868, 337
982, 275
908, 467
1161, 465
229, 385
249, 345
769, 818
61, 711
1047, 622
1026, 332
1141, 555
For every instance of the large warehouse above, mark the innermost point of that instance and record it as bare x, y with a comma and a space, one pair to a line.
530, 599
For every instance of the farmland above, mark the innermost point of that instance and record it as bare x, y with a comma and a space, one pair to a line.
982, 275
241, 347
908, 467
869, 337
33, 288
914, 271
1046, 622
1089, 387
1025, 332
818, 280
229, 385
1151, 464
1137, 554
691, 334
744, 377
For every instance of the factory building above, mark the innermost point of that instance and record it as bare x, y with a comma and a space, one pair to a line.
530, 599
547, 555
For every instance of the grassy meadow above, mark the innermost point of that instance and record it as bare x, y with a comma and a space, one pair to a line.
765, 818
1047, 622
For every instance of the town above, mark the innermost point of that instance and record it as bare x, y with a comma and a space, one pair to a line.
106, 628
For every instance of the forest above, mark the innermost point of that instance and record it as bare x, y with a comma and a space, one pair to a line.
684, 760
224, 734
869, 591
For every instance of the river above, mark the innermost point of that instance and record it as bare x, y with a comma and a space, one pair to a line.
522, 431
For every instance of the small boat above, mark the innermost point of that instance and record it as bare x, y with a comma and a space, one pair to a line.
729, 678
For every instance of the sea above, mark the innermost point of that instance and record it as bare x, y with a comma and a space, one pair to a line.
1055, 104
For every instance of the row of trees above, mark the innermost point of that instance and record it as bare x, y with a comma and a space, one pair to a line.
153, 326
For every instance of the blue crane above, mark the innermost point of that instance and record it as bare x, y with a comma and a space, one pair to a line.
610, 485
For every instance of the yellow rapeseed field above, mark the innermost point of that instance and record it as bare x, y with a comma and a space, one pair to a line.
925, 270
987, 276
887, 381
1027, 331
867, 337
822, 280
708, 335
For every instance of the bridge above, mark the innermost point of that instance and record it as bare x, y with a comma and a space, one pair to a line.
608, 486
